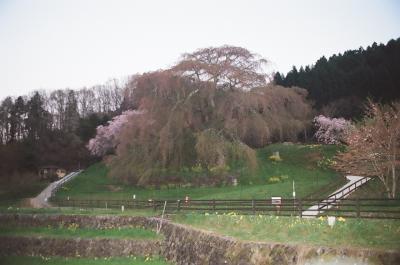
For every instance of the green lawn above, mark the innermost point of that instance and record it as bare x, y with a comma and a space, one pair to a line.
82, 261
73, 230
301, 163
382, 234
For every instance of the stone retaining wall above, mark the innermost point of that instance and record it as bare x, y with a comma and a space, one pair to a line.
76, 247
185, 245
86, 221
189, 246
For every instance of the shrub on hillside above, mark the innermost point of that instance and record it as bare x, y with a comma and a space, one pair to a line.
275, 157
277, 179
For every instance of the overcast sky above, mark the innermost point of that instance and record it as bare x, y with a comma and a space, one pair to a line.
49, 44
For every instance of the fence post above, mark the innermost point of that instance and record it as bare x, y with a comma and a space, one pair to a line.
179, 205
253, 208
300, 209
213, 205
154, 206
358, 207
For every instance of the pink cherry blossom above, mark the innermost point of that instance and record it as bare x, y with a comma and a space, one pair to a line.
331, 130
106, 139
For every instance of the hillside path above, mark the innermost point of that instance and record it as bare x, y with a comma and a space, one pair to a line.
354, 183
41, 201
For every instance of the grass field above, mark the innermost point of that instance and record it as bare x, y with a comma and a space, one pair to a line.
82, 261
72, 230
304, 164
382, 234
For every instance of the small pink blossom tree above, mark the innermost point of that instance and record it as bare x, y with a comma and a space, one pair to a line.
106, 139
331, 130
373, 147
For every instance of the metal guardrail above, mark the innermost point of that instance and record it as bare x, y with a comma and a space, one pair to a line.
59, 183
346, 191
357, 208
335, 198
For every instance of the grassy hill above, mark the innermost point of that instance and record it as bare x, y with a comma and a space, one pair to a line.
304, 164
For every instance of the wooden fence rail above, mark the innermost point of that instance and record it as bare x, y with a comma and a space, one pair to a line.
360, 208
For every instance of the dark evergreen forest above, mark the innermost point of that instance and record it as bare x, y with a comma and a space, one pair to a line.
339, 85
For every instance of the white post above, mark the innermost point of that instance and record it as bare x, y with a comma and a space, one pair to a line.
294, 197
162, 217
294, 191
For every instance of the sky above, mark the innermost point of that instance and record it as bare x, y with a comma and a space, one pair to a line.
55, 44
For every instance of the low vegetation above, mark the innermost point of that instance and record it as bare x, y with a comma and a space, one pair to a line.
384, 234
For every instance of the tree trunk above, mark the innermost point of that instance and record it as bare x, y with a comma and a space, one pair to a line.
386, 185
394, 182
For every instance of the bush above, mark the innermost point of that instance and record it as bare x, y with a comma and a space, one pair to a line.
275, 157
277, 179
274, 179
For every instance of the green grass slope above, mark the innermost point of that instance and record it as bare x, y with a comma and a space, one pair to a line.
383, 234
304, 164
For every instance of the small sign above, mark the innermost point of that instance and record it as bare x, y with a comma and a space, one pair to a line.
235, 182
276, 200
331, 221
